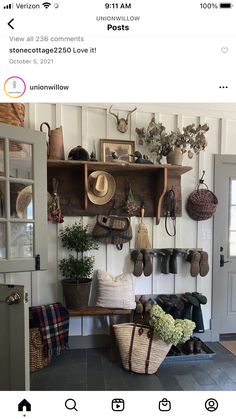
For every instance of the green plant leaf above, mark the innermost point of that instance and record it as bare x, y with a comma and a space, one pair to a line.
76, 237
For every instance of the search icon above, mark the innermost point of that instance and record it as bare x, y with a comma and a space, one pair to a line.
71, 404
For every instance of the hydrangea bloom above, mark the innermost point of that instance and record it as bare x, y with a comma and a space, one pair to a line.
169, 329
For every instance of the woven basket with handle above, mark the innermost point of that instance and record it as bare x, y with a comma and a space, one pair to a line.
140, 348
201, 204
38, 359
12, 113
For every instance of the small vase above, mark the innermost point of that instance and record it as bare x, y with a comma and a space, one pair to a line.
158, 159
175, 157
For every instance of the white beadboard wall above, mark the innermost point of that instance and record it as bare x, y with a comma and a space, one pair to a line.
85, 124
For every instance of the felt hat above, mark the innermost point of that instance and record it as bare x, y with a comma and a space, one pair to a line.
101, 187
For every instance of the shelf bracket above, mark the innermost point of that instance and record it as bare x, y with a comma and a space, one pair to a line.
161, 190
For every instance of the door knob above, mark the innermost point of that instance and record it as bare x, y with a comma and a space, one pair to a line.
14, 298
223, 261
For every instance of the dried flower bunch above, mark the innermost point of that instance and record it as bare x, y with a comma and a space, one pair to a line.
56, 215
169, 329
191, 140
130, 205
54, 210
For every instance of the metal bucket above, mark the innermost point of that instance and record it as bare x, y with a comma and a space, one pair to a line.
55, 142
76, 295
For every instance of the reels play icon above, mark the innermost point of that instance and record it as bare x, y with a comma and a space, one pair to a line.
118, 405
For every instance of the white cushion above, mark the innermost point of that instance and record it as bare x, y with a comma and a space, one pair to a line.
115, 291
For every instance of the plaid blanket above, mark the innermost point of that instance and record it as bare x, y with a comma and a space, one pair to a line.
53, 321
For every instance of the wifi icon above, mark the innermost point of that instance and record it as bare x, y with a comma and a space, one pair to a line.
46, 4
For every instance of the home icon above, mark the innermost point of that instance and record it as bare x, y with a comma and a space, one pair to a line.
24, 405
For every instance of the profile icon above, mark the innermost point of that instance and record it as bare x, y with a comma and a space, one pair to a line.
211, 405
14, 87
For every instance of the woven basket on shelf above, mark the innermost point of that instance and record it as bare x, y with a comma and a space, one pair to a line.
38, 359
12, 113
201, 204
140, 348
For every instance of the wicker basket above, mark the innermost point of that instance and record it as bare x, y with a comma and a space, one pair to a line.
12, 113
140, 348
201, 204
37, 358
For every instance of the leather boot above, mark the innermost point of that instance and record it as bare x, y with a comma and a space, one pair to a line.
147, 309
138, 313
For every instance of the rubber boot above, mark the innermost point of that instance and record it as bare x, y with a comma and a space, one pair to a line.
197, 312
173, 262
165, 262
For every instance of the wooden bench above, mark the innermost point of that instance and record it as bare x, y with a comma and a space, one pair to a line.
101, 311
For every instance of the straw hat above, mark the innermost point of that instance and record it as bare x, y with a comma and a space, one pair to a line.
101, 187
23, 200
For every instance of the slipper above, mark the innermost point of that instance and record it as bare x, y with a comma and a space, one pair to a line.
189, 346
194, 260
197, 345
147, 263
204, 265
137, 258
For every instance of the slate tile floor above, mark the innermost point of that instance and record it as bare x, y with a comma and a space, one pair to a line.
91, 369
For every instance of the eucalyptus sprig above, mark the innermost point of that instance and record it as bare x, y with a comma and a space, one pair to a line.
191, 139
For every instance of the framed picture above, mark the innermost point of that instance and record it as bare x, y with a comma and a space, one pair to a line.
121, 149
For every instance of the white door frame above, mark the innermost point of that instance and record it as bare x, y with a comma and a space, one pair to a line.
14, 337
219, 239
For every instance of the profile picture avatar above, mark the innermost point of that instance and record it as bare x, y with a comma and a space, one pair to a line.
14, 87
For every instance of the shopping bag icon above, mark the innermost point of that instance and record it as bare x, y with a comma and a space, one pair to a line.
164, 405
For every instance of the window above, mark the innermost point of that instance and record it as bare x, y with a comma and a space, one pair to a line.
232, 226
23, 199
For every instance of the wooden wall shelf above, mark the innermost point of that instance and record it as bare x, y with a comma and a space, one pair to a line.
148, 182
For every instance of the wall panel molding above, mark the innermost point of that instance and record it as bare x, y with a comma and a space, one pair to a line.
189, 233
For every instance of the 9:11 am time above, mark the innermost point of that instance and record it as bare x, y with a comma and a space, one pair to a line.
117, 6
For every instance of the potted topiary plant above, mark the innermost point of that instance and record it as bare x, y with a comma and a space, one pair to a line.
77, 269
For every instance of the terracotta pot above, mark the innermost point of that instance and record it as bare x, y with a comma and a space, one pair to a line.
76, 295
175, 157
55, 142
